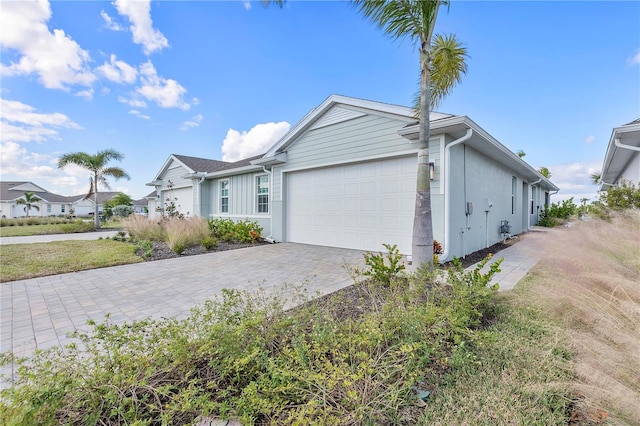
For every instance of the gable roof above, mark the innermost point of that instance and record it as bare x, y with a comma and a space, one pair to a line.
315, 116
12, 190
197, 164
623, 145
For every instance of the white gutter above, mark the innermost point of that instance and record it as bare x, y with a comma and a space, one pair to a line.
625, 146
447, 197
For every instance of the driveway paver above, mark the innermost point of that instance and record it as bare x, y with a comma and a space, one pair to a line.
38, 313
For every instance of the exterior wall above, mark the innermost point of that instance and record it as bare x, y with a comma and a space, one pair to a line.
12, 210
84, 208
182, 189
632, 171
242, 200
363, 138
478, 179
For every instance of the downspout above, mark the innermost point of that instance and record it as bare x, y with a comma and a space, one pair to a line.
269, 237
447, 198
202, 178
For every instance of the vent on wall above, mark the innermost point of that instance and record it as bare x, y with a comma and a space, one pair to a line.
337, 115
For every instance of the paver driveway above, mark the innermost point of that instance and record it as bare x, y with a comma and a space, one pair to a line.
37, 313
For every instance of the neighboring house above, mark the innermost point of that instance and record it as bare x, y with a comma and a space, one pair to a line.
51, 204
141, 206
84, 206
345, 176
622, 160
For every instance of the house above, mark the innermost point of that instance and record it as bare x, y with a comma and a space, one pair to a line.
51, 204
84, 206
622, 160
345, 176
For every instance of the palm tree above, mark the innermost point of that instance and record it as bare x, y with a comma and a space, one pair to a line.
520, 153
545, 172
415, 19
97, 164
29, 201
449, 65
596, 178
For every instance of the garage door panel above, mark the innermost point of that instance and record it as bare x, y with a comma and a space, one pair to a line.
356, 206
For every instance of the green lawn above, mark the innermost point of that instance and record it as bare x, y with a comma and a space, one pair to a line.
58, 228
22, 261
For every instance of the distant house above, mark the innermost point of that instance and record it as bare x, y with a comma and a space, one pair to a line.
622, 159
85, 206
345, 176
51, 204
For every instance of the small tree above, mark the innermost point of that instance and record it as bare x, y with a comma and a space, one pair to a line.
171, 209
120, 199
29, 201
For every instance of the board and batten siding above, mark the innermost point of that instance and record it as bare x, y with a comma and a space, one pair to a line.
242, 200
182, 189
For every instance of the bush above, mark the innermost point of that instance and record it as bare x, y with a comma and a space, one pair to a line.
384, 272
146, 247
623, 196
122, 210
245, 231
209, 242
75, 227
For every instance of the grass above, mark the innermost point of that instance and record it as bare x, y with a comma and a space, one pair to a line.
588, 285
23, 261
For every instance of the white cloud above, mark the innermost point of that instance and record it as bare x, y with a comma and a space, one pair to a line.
54, 56
136, 103
139, 114
139, 14
20, 123
237, 146
247, 5
635, 59
166, 93
87, 94
109, 23
118, 71
574, 180
589, 139
193, 123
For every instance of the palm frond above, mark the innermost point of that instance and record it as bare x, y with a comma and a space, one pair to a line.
448, 59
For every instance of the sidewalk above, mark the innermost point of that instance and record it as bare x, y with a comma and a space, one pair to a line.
57, 237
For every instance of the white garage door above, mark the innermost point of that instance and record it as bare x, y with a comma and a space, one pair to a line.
357, 206
183, 199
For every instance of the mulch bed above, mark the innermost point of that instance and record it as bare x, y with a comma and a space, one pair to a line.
477, 256
162, 251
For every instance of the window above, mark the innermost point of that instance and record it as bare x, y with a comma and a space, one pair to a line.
61, 208
224, 196
514, 186
48, 208
263, 193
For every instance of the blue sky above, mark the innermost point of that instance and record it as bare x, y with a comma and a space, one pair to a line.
224, 80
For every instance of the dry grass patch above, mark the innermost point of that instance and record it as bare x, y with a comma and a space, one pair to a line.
23, 261
588, 282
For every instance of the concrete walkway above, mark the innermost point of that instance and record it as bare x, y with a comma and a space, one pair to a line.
57, 237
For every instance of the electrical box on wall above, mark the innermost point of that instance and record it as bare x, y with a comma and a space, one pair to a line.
487, 204
469, 208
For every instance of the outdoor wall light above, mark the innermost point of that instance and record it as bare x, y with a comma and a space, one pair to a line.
432, 171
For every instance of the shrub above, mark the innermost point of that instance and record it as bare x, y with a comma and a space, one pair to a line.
209, 242
146, 247
122, 210
244, 231
384, 272
75, 227
623, 196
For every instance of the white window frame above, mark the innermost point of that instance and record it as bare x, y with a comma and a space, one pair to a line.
48, 208
62, 209
221, 197
258, 194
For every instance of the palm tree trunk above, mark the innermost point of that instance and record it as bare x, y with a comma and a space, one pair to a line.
96, 214
422, 245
